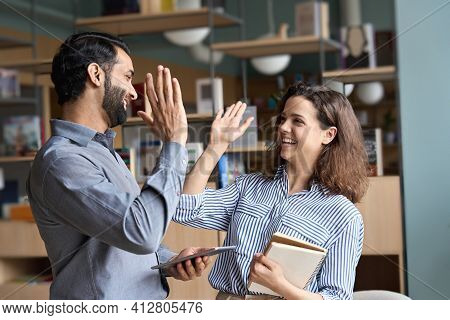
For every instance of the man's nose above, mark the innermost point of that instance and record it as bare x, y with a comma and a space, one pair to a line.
133, 93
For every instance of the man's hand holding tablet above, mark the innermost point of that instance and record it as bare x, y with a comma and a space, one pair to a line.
190, 262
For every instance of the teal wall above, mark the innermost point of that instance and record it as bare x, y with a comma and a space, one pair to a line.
424, 86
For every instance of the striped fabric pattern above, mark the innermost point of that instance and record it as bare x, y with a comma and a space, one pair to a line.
255, 207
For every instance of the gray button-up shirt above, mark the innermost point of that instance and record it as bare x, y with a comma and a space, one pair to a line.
101, 231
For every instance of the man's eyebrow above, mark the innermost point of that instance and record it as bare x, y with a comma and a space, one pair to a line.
131, 71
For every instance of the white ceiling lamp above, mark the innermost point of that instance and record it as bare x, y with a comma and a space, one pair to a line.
370, 93
200, 52
271, 65
187, 37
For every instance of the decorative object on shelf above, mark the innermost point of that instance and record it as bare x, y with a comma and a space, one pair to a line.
18, 212
312, 18
128, 156
358, 49
250, 137
274, 64
2, 179
9, 83
363, 117
194, 150
358, 41
200, 52
22, 135
230, 166
147, 147
271, 65
344, 88
370, 93
9, 194
390, 135
187, 37
374, 148
209, 96
111, 7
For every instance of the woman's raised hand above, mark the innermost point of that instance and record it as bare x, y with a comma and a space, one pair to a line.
226, 127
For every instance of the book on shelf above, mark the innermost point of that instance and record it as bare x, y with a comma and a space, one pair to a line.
312, 19
8, 194
18, 212
299, 260
9, 83
128, 156
194, 150
374, 148
230, 166
22, 135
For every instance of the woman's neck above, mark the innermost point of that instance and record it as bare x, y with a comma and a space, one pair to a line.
298, 178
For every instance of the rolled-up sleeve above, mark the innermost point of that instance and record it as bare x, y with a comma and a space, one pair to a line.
96, 207
337, 276
212, 209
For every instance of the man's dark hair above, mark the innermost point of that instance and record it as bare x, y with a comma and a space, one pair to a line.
69, 68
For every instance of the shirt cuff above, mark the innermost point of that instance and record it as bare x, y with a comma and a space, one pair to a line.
173, 155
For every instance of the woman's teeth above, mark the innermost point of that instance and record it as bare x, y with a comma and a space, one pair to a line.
288, 141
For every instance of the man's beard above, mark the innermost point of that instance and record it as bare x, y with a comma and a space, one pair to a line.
113, 103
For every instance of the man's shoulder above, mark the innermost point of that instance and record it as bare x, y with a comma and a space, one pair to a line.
56, 148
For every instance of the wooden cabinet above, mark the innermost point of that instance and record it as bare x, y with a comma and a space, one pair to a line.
381, 209
22, 255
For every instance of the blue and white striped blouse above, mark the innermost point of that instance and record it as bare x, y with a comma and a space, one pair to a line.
255, 207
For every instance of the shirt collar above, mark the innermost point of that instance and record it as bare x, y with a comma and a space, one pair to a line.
282, 174
76, 132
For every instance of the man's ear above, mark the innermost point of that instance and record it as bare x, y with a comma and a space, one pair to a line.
329, 135
95, 74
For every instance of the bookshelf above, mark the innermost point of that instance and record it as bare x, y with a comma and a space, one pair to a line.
273, 46
17, 101
137, 23
36, 66
361, 74
12, 43
15, 159
27, 246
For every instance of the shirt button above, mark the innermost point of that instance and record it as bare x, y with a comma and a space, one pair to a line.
184, 162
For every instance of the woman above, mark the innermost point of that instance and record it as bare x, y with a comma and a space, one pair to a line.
311, 197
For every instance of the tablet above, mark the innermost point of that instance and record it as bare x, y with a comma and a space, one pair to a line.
209, 252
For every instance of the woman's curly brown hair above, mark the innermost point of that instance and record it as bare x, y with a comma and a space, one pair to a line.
342, 166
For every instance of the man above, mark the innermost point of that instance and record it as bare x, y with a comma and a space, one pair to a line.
103, 233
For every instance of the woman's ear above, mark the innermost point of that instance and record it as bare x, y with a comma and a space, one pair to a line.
329, 135
95, 74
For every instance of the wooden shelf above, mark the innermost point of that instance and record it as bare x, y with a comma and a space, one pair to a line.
361, 74
17, 101
19, 239
11, 43
136, 23
193, 117
15, 159
22, 291
260, 147
39, 66
273, 46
